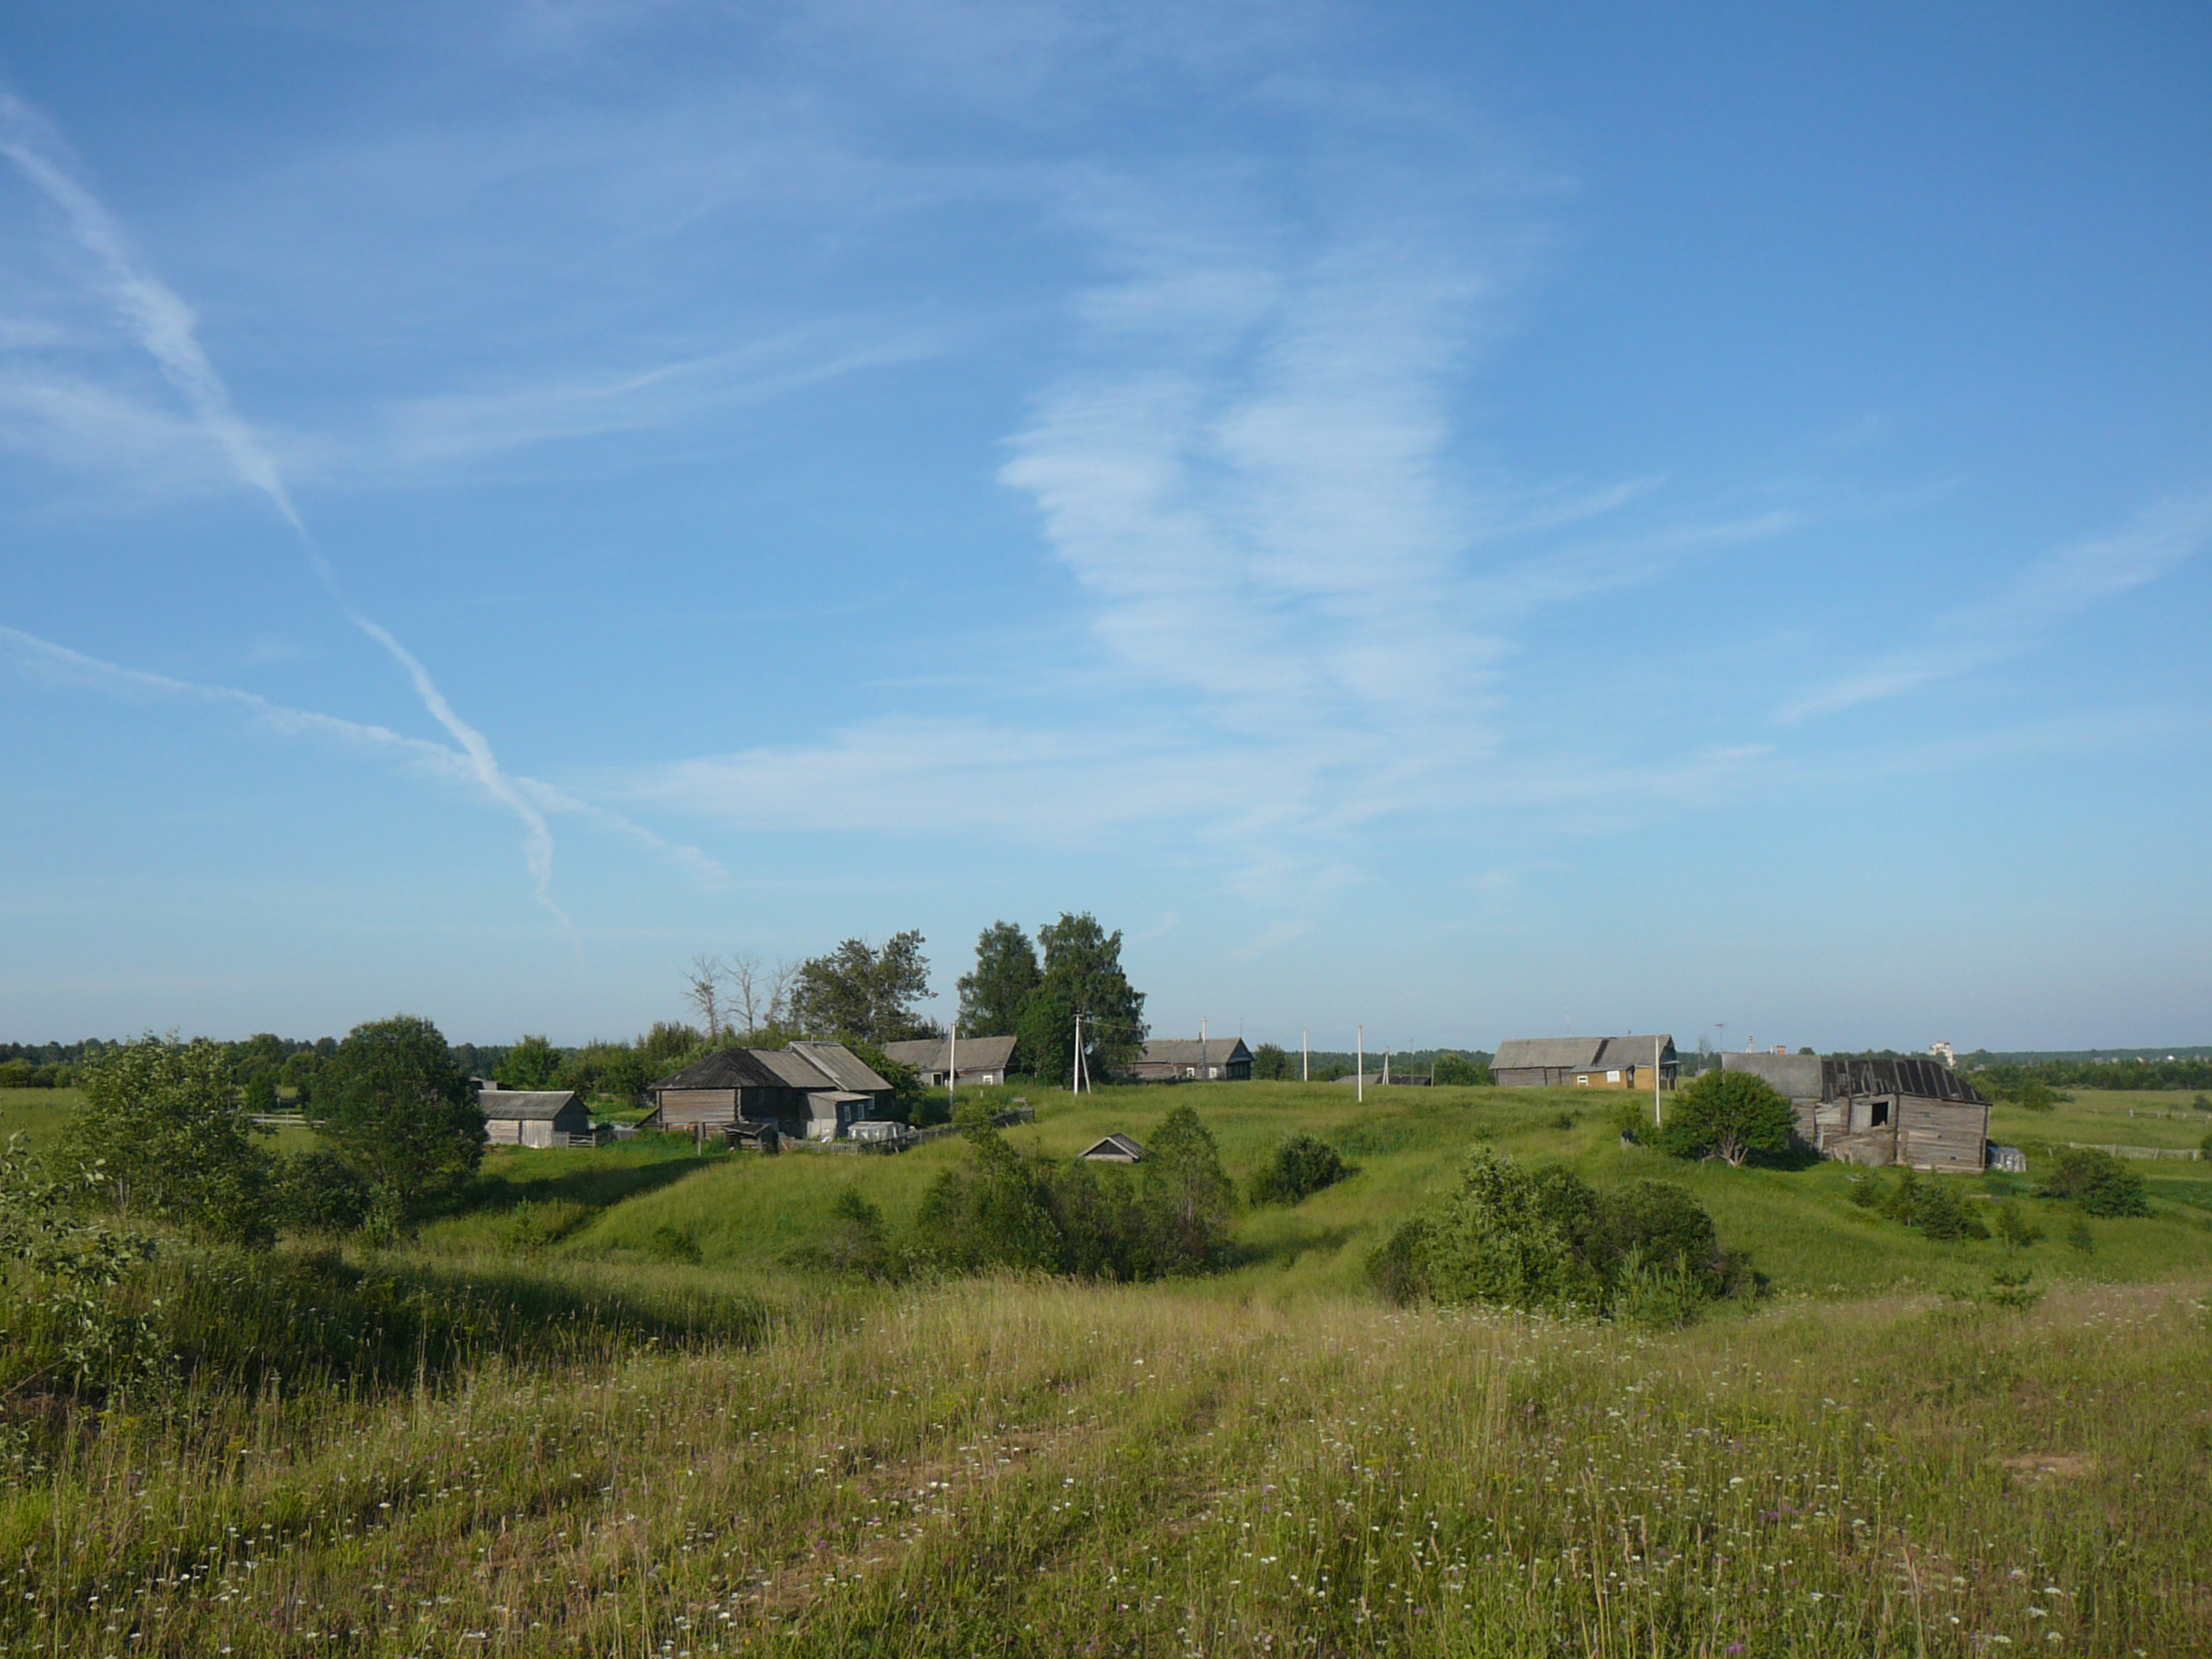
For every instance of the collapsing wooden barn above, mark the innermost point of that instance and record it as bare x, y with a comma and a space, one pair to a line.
1915, 1112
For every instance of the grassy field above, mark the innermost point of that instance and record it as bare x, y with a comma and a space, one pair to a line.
480, 1443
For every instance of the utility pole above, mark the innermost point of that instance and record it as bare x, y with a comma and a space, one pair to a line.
952, 1065
1305, 1057
1386, 1066
1657, 1122
1205, 1068
1075, 1082
1359, 1066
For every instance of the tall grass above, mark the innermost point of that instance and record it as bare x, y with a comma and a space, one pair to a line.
1022, 1468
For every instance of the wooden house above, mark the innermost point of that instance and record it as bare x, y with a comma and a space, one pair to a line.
1189, 1059
982, 1060
535, 1117
1115, 1148
810, 1091
1916, 1112
1584, 1062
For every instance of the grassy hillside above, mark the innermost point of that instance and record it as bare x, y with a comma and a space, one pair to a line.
508, 1439
1799, 1225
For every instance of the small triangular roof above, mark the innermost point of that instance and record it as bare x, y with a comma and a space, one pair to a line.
1116, 1143
533, 1105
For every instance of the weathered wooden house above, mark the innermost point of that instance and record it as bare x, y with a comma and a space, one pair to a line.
982, 1060
810, 1091
1916, 1112
1190, 1060
1585, 1062
535, 1117
1116, 1148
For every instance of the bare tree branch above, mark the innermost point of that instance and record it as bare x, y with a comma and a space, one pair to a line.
703, 989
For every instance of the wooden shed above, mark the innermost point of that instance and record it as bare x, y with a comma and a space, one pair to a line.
1916, 1112
1116, 1148
535, 1117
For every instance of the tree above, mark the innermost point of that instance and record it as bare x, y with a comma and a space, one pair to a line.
166, 1135
995, 996
1457, 1069
1271, 1064
1300, 1167
533, 1063
1083, 974
858, 990
759, 995
1185, 1190
702, 992
1728, 1115
402, 1114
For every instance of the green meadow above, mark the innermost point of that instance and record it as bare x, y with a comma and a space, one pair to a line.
598, 1409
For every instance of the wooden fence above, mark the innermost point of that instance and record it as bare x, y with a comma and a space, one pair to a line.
2137, 1152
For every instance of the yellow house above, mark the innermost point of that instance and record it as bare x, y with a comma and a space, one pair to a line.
1585, 1062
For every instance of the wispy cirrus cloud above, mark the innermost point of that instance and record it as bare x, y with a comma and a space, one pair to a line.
59, 665
2047, 593
156, 318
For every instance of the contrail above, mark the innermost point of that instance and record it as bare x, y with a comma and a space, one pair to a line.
164, 325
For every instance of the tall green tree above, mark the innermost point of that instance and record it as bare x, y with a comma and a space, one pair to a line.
165, 1134
1082, 973
533, 1063
1187, 1192
402, 1114
858, 990
994, 998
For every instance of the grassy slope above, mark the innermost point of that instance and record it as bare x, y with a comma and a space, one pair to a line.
1801, 1231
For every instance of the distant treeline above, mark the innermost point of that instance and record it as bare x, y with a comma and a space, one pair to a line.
286, 1063
2092, 1074
1273, 1062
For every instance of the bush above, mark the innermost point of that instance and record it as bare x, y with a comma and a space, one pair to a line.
855, 1243
1932, 1206
2014, 1227
1541, 1239
2203, 1103
1458, 1070
1271, 1064
1301, 1167
672, 1243
319, 1192
1728, 1115
2099, 1182
544, 1222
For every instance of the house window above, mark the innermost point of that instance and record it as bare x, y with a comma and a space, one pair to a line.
1612, 1077
1582, 1079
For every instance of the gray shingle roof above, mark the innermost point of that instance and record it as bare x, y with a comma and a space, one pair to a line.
841, 1066
1796, 1076
533, 1105
736, 1068
1551, 1053
1115, 1145
1189, 1050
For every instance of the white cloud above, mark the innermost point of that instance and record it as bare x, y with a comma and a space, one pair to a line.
2047, 593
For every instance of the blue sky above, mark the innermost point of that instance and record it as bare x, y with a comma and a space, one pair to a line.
1458, 519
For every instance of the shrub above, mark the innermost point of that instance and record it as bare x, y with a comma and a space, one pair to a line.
1932, 1206
855, 1243
1541, 1239
2034, 1095
15, 1074
672, 1243
542, 1223
2081, 1236
1450, 1069
1301, 1166
2099, 1182
163, 1135
1728, 1115
2014, 1227
319, 1192
2203, 1103
1398, 1267
1271, 1064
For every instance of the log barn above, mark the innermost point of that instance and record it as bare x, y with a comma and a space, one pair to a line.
810, 1091
1189, 1059
1584, 1062
1916, 1112
982, 1059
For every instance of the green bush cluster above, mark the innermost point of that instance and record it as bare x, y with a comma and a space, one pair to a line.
1541, 1239
26, 1074
1731, 1115
2098, 1184
999, 1210
1932, 1206
1297, 1169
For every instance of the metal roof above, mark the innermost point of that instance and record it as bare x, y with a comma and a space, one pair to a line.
534, 1105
